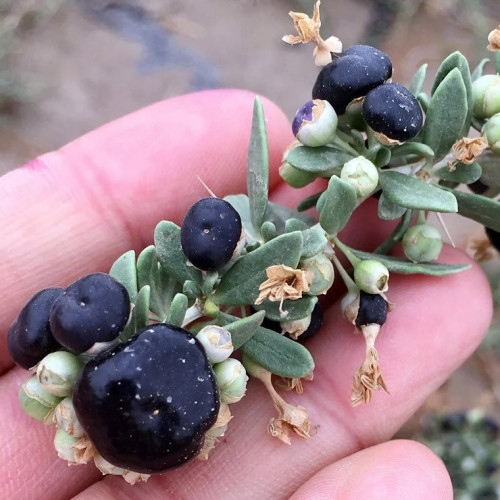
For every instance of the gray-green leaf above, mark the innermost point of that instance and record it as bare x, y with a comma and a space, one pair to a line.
388, 210
139, 317
177, 311
169, 251
401, 266
478, 70
418, 80
278, 354
258, 166
338, 203
414, 193
463, 174
241, 329
296, 309
241, 204
124, 270
240, 285
479, 208
163, 286
323, 161
314, 241
447, 114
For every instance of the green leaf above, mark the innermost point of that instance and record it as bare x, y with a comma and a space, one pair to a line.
418, 79
478, 70
139, 317
412, 149
279, 214
401, 266
447, 114
323, 161
169, 250
382, 157
479, 208
458, 61
309, 202
124, 271
414, 193
241, 329
388, 210
463, 174
268, 231
314, 241
490, 165
177, 311
241, 204
295, 225
338, 204
258, 166
424, 101
240, 285
278, 354
163, 287
297, 309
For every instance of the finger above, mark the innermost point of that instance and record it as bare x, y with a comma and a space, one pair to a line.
437, 323
397, 469
75, 210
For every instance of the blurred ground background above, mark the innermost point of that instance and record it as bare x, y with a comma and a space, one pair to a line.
67, 67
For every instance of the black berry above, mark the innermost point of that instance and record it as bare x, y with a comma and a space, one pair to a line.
29, 338
393, 111
210, 233
147, 403
358, 70
372, 309
494, 237
93, 309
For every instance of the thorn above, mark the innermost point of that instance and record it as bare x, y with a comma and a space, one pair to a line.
443, 225
210, 192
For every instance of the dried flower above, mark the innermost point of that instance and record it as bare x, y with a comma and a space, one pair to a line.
308, 30
468, 149
283, 283
290, 418
368, 377
494, 39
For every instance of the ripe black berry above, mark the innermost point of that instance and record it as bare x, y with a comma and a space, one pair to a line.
93, 309
494, 237
358, 70
210, 233
29, 338
372, 309
147, 403
393, 111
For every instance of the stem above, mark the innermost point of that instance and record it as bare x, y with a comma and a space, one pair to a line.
348, 281
346, 251
421, 217
396, 236
344, 145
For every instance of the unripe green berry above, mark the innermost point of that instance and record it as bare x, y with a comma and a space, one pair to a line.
34, 390
58, 371
361, 174
320, 273
422, 243
491, 131
231, 380
35, 409
486, 96
315, 123
371, 276
295, 177
216, 342
64, 445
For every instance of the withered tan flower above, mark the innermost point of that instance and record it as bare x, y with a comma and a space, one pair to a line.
84, 450
494, 39
308, 31
368, 376
283, 283
468, 149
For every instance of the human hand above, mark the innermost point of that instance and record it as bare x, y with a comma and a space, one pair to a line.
74, 211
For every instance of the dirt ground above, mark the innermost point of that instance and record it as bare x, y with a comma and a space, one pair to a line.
96, 60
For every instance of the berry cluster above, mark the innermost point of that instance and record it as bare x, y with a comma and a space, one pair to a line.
135, 367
